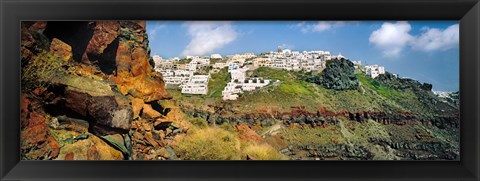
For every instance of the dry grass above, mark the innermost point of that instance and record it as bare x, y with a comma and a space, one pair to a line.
39, 71
263, 152
209, 144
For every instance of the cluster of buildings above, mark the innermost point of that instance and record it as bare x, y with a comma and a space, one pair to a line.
183, 76
294, 60
239, 83
186, 74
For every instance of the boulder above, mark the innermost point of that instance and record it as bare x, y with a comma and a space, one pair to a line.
105, 32
92, 148
118, 142
93, 100
37, 144
149, 138
137, 106
150, 113
32, 39
61, 49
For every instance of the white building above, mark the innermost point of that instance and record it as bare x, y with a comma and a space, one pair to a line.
192, 66
374, 70
198, 84
357, 64
215, 56
201, 60
254, 83
219, 65
231, 91
167, 72
233, 66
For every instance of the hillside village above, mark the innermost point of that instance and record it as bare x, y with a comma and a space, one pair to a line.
109, 102
192, 73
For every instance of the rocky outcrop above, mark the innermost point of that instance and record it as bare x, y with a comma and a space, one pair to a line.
136, 77
92, 100
32, 40
36, 142
103, 81
61, 50
91, 148
339, 74
104, 33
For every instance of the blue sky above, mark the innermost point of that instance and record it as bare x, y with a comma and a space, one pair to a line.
427, 51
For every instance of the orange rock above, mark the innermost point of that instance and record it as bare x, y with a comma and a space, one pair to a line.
38, 25
92, 154
147, 127
140, 66
26, 54
54, 146
149, 112
124, 58
137, 105
24, 103
247, 134
69, 156
149, 137
61, 49
160, 120
36, 143
92, 148
143, 86
105, 32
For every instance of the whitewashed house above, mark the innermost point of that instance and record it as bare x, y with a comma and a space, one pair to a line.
231, 91
238, 74
374, 70
254, 83
198, 84
192, 66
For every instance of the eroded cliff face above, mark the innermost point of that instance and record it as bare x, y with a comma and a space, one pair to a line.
83, 83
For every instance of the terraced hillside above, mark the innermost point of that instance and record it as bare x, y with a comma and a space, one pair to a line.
381, 118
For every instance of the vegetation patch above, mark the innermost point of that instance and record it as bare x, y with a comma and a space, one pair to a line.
217, 83
263, 152
41, 70
209, 144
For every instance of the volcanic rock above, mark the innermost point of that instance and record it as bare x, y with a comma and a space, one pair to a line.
60, 49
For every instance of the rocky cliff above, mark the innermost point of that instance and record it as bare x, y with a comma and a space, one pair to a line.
83, 83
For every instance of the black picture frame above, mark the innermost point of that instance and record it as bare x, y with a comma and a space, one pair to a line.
14, 11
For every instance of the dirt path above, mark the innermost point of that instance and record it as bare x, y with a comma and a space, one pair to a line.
274, 129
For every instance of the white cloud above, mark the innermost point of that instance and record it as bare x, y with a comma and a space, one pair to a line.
286, 46
319, 26
153, 29
208, 37
437, 39
392, 38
